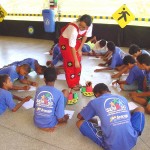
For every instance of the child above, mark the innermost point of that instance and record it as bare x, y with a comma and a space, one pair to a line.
7, 98
143, 98
57, 56
33, 63
117, 58
135, 51
49, 103
100, 48
18, 72
71, 41
135, 78
118, 130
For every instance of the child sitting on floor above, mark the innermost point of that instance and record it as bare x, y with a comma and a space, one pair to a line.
7, 98
49, 103
143, 98
119, 129
135, 78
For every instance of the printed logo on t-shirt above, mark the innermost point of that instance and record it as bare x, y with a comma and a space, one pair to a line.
44, 103
122, 54
116, 110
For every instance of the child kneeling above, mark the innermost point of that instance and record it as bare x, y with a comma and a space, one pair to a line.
49, 103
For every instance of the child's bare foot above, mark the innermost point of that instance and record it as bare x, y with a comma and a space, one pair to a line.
48, 129
50, 52
85, 54
101, 64
76, 88
49, 63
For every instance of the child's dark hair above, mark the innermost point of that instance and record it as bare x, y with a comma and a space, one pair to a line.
26, 67
128, 60
100, 88
102, 43
3, 78
87, 19
133, 49
43, 68
144, 59
50, 74
111, 46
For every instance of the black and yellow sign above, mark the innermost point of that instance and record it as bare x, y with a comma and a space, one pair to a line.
3, 13
123, 16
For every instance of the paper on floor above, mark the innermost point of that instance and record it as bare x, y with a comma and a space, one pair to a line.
116, 85
132, 106
46, 53
29, 104
32, 88
94, 58
70, 113
61, 77
99, 67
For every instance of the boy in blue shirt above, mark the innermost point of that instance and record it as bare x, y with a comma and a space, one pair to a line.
118, 130
49, 103
143, 98
135, 51
33, 63
135, 78
18, 72
116, 60
6, 98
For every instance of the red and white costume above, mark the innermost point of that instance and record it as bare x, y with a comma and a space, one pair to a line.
71, 36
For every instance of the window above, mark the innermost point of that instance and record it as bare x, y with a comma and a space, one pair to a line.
140, 8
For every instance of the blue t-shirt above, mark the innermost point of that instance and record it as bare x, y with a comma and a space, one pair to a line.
49, 106
145, 52
116, 126
117, 58
136, 74
11, 71
6, 101
28, 61
147, 75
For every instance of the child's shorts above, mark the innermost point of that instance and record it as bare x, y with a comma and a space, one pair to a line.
131, 87
147, 98
138, 122
86, 48
92, 131
91, 45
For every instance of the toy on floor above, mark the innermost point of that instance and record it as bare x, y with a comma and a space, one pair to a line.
72, 99
87, 90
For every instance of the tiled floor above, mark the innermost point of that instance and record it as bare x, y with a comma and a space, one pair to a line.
17, 131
